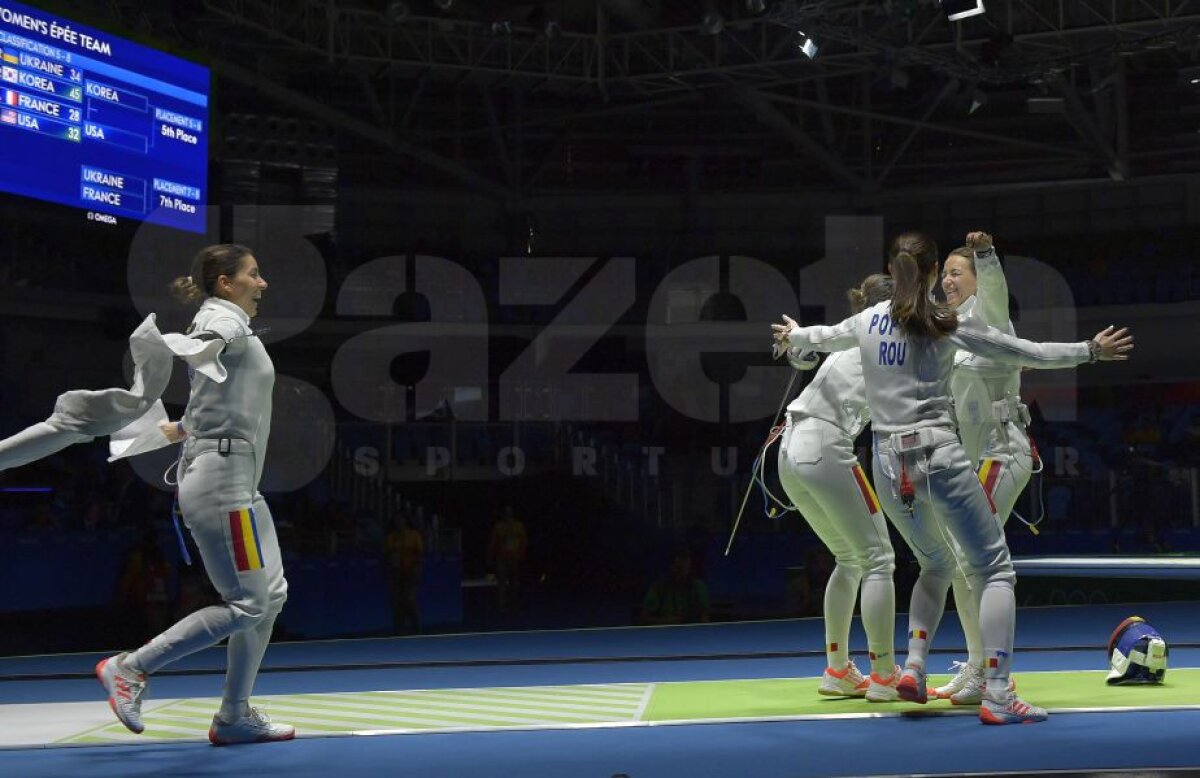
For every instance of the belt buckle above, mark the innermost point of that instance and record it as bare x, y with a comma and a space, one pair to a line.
223, 446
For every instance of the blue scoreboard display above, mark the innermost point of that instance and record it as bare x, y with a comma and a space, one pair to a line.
100, 123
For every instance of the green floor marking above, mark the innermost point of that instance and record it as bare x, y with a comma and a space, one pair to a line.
423, 710
782, 697
116, 731
501, 707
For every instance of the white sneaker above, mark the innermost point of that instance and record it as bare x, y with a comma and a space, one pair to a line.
1010, 710
966, 676
884, 689
254, 727
125, 690
972, 693
911, 686
847, 682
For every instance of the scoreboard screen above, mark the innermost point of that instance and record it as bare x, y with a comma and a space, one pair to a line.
94, 121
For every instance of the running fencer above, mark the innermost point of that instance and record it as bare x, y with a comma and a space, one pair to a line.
992, 424
927, 484
824, 480
224, 432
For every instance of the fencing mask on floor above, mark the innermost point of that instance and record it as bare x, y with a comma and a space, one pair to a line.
1138, 653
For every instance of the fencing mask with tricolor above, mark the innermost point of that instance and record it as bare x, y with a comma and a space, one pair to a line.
1138, 653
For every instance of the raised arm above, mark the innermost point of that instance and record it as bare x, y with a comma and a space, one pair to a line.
1107, 345
820, 337
991, 285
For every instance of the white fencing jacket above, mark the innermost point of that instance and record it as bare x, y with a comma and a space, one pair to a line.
130, 415
239, 406
908, 380
978, 383
836, 394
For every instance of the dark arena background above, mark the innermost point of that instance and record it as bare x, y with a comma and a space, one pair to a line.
522, 258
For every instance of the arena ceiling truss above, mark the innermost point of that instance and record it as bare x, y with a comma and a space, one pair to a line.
519, 99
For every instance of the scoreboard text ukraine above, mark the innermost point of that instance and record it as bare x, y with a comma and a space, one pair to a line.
95, 121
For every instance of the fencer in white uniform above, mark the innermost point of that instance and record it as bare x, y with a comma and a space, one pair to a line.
992, 424
227, 426
825, 482
926, 483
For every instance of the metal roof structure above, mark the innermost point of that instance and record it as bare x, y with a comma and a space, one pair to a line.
516, 99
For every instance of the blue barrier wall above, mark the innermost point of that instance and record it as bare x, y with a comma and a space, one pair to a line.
52, 570
328, 597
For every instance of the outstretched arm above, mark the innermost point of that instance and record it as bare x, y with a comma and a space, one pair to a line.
837, 337
1108, 345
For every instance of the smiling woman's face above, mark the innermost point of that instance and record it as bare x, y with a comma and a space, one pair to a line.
958, 279
244, 289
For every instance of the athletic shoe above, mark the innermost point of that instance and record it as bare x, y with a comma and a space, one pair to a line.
1010, 710
911, 686
125, 690
847, 682
884, 689
967, 676
255, 727
972, 693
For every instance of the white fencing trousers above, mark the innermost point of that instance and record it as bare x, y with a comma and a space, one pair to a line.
234, 531
950, 511
1004, 477
824, 480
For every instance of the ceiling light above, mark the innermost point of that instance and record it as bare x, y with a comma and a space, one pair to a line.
961, 9
807, 45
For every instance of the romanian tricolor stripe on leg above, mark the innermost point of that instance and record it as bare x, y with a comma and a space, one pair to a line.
989, 475
247, 552
864, 487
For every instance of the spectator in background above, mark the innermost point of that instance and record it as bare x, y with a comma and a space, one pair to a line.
679, 597
506, 553
405, 551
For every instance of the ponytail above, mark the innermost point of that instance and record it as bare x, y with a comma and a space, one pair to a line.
914, 259
186, 291
874, 289
209, 264
858, 300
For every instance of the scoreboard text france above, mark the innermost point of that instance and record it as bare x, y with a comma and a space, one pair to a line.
95, 121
